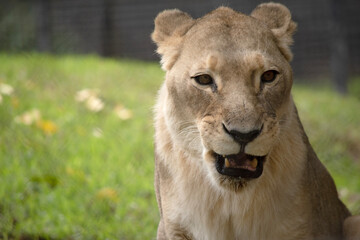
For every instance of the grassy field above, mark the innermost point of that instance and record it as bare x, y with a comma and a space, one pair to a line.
76, 149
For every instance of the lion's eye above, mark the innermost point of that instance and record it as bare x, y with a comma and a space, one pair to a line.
269, 76
204, 79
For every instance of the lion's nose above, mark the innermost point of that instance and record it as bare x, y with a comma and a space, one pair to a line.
243, 137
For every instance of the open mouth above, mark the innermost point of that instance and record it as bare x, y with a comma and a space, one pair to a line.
240, 165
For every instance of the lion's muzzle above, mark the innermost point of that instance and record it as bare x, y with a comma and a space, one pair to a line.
243, 138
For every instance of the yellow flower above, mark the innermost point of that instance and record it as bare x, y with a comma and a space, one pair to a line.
75, 173
80, 130
15, 102
107, 194
123, 113
48, 127
34, 116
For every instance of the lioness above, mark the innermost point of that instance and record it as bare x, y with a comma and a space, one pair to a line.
232, 158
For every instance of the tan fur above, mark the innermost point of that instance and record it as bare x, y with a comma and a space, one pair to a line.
352, 228
295, 197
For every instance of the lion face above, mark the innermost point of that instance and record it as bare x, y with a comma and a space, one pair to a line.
228, 83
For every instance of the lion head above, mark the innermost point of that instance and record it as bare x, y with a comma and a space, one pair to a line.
227, 87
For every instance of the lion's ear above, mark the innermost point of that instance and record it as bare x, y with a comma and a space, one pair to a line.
170, 27
278, 18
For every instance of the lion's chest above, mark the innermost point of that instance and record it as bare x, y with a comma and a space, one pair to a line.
210, 216
225, 223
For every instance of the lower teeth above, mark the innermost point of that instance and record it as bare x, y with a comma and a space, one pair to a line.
254, 163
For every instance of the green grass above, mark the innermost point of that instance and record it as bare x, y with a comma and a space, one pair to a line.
332, 123
78, 174
51, 185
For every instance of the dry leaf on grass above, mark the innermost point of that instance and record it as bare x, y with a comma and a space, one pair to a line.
123, 113
28, 117
90, 98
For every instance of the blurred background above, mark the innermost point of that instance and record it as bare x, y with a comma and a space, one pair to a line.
78, 79
327, 40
